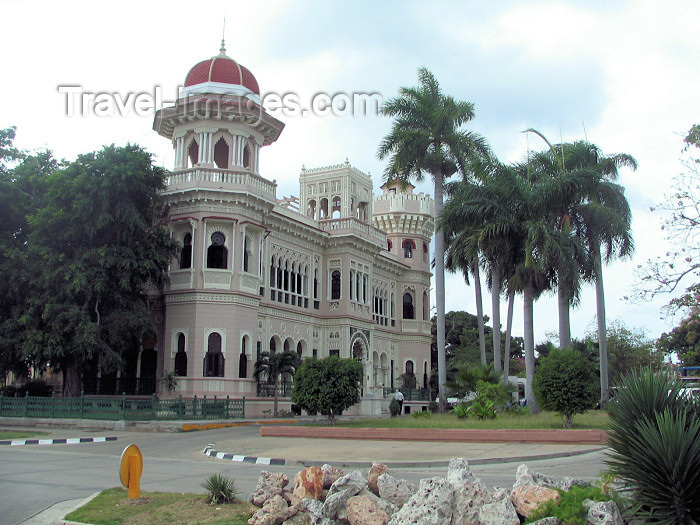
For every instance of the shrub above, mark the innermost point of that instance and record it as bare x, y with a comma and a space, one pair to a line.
8, 391
569, 509
285, 414
655, 444
565, 382
461, 411
394, 408
33, 387
220, 489
327, 386
423, 414
433, 407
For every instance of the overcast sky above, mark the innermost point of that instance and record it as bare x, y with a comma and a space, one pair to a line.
623, 74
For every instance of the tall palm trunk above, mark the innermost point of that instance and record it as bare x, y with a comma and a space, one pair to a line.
602, 328
509, 326
564, 319
479, 311
274, 407
529, 336
440, 295
496, 317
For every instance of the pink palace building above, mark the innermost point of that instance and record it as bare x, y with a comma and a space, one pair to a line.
338, 271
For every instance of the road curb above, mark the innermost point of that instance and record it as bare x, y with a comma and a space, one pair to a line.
56, 441
209, 451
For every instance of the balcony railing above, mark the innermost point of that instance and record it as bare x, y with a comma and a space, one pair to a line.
217, 178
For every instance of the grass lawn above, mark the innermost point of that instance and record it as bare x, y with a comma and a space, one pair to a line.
596, 419
113, 507
14, 434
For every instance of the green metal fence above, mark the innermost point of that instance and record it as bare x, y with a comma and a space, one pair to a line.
117, 408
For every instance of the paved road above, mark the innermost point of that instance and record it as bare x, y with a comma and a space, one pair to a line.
34, 477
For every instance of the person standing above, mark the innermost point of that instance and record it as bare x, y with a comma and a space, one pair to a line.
399, 397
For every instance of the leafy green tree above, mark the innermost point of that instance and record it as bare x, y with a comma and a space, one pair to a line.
272, 365
95, 246
21, 194
427, 137
565, 382
684, 341
327, 386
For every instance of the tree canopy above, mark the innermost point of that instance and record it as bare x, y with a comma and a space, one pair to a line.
88, 246
327, 386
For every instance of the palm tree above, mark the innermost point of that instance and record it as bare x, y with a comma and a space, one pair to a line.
604, 224
426, 138
272, 365
461, 254
513, 209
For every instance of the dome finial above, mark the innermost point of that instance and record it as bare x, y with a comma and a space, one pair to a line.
222, 51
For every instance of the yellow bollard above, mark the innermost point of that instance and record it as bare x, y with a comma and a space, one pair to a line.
130, 470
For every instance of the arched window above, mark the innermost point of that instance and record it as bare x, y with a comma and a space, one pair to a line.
193, 153
299, 349
186, 252
214, 359
409, 367
408, 248
273, 346
335, 284
246, 157
243, 360
217, 253
408, 312
426, 307
221, 154
388, 245
181, 357
246, 253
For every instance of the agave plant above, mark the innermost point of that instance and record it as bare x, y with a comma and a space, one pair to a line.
655, 447
220, 489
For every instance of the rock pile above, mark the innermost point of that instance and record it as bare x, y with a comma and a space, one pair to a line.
328, 496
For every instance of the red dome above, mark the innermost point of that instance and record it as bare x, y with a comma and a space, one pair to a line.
224, 70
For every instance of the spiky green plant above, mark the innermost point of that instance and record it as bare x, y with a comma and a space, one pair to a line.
220, 489
655, 447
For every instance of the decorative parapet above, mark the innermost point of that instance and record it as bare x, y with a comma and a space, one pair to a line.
217, 179
351, 225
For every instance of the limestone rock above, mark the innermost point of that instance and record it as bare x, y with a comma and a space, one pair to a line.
331, 474
269, 485
525, 476
308, 483
377, 470
567, 482
353, 481
602, 513
551, 520
395, 491
469, 492
383, 504
361, 510
526, 498
458, 471
430, 505
499, 493
300, 518
343, 489
291, 499
500, 512
273, 512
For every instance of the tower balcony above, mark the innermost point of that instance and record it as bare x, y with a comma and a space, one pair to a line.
204, 178
353, 226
